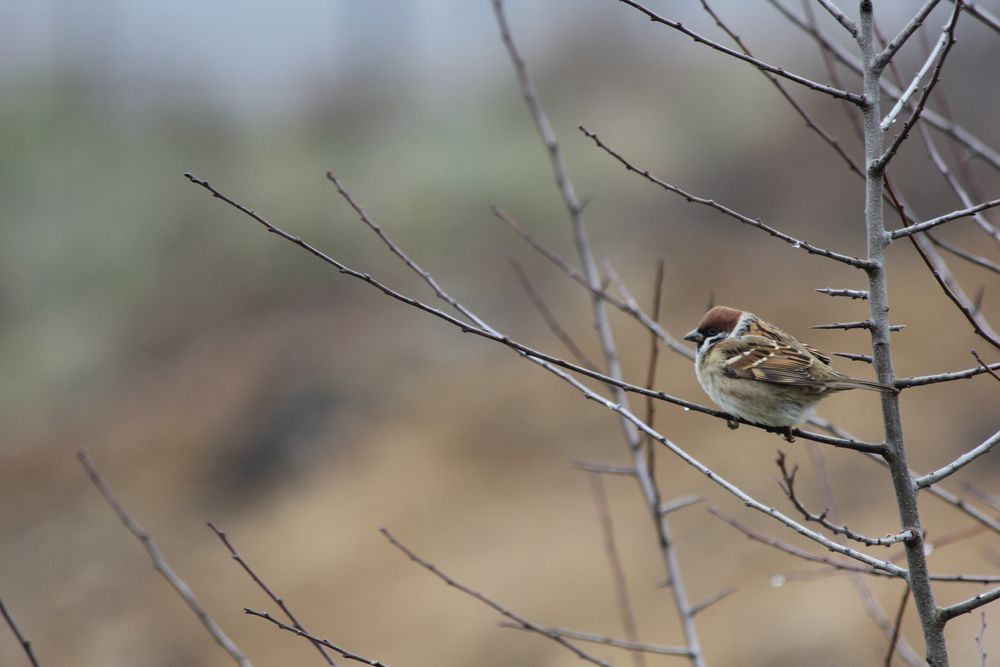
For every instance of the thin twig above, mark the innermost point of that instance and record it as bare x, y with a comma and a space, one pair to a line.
967, 256
787, 485
605, 468
921, 380
550, 319
615, 563
975, 602
940, 220
810, 122
976, 147
980, 644
264, 587
854, 98
863, 324
904, 99
935, 263
160, 564
725, 210
712, 599
319, 641
841, 17
849, 293
959, 463
21, 638
607, 641
680, 503
896, 626
654, 357
866, 358
883, 58
878, 166
503, 611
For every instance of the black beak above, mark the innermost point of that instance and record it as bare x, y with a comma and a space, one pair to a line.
694, 336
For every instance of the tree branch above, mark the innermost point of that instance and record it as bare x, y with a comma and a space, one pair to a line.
161, 565
267, 589
725, 210
853, 98
503, 611
959, 463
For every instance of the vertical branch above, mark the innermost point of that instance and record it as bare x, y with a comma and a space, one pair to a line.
615, 561
646, 481
878, 240
21, 639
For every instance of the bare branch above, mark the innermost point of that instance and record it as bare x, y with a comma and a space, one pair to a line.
894, 571
940, 220
959, 463
863, 324
605, 468
849, 293
866, 358
161, 565
951, 288
712, 599
883, 58
264, 587
896, 626
725, 210
878, 166
980, 645
550, 319
630, 309
21, 639
680, 503
615, 563
776, 82
985, 366
920, 380
841, 17
984, 17
787, 485
503, 611
968, 256
854, 98
890, 118
947, 613
318, 641
607, 641
977, 147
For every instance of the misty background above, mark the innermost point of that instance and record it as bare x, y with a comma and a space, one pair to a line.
215, 372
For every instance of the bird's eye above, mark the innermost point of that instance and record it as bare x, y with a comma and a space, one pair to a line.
712, 331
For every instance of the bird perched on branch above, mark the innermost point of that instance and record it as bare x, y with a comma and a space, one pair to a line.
755, 371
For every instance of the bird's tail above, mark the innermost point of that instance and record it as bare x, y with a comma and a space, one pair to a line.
855, 383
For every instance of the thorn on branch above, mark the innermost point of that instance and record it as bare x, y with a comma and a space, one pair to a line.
862, 324
866, 358
849, 293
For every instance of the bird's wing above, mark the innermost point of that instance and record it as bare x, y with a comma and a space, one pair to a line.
770, 360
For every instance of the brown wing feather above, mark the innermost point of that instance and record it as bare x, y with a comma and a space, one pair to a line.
768, 360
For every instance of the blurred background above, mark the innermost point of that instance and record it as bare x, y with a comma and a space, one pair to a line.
217, 373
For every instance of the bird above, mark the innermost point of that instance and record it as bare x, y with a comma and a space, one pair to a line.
759, 373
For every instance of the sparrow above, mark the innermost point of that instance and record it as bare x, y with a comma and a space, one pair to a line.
757, 372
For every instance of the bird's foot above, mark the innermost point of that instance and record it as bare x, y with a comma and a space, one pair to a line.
732, 423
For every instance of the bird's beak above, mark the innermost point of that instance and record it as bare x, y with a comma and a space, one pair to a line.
694, 336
